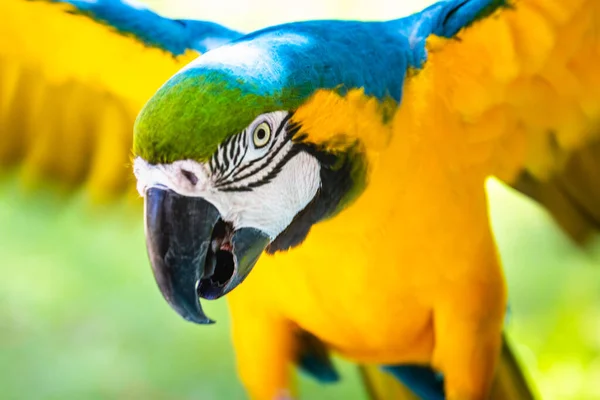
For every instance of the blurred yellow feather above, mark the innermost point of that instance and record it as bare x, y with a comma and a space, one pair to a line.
70, 89
524, 85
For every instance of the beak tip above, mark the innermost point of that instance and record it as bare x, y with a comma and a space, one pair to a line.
199, 320
189, 308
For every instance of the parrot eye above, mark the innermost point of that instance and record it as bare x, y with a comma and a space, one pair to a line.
261, 135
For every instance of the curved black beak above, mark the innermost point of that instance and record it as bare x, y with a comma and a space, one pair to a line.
193, 252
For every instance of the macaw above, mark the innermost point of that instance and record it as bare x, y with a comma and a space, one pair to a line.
338, 168
345, 132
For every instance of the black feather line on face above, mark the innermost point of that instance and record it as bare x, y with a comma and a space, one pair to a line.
268, 154
225, 160
271, 175
224, 151
236, 149
237, 160
268, 158
217, 164
231, 147
337, 181
293, 129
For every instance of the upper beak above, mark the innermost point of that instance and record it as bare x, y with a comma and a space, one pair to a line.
193, 252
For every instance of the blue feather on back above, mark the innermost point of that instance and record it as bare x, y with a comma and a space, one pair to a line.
302, 57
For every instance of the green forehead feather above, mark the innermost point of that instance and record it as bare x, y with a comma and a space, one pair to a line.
194, 112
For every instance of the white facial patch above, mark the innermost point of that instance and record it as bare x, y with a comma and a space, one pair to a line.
265, 187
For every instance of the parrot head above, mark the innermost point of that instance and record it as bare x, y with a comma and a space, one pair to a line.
234, 157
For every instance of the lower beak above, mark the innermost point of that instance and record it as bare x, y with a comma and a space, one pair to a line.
194, 253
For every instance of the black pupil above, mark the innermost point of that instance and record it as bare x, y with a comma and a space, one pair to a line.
261, 134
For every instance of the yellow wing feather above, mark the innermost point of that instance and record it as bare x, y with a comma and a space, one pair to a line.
70, 90
524, 86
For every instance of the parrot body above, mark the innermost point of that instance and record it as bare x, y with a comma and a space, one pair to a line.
414, 254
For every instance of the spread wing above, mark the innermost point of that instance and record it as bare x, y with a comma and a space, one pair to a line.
522, 87
73, 77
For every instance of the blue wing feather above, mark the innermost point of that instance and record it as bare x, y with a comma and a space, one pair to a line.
422, 380
135, 19
313, 358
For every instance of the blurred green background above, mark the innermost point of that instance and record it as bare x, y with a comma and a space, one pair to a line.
81, 317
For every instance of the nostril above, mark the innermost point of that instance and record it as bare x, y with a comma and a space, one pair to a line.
190, 176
